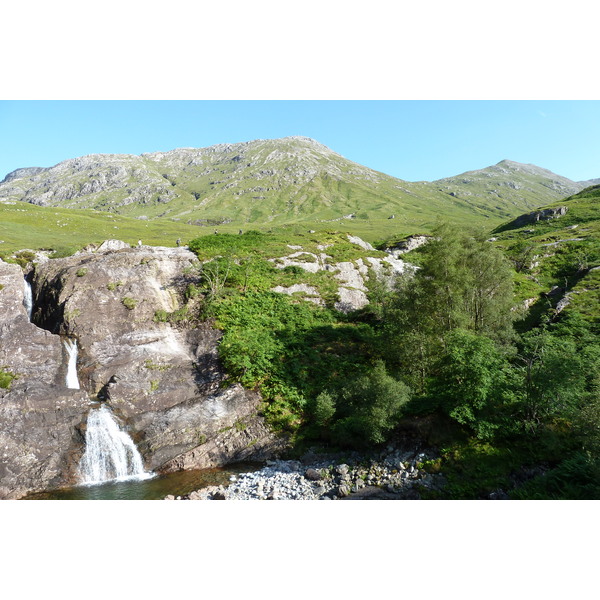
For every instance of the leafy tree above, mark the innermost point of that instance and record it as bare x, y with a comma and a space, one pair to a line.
521, 254
470, 378
464, 283
553, 374
323, 409
369, 408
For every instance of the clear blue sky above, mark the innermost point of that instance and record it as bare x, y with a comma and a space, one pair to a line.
412, 140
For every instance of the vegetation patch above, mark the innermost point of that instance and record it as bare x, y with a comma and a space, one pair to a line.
129, 302
6, 378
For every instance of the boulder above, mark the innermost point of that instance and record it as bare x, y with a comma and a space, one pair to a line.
539, 215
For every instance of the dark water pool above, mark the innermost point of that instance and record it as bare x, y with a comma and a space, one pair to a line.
178, 484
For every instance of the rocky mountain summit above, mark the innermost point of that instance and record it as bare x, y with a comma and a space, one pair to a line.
274, 182
510, 183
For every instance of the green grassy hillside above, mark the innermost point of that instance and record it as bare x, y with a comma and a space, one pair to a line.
28, 226
286, 182
562, 252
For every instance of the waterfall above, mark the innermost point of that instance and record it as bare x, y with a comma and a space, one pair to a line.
110, 453
28, 299
72, 381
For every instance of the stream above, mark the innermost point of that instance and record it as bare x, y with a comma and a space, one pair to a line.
156, 488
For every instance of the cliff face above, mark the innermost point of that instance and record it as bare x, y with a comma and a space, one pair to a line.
39, 416
164, 382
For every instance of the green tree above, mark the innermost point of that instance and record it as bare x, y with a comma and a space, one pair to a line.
369, 408
470, 379
554, 375
464, 282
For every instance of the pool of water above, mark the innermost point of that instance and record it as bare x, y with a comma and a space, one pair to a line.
156, 488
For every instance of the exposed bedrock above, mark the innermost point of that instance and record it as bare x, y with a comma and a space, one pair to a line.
164, 382
39, 416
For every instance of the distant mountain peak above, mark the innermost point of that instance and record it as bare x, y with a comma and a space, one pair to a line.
269, 181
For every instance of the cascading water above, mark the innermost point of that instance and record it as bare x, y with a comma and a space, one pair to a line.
72, 381
28, 299
110, 453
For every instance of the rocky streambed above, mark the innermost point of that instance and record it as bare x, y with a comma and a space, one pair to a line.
395, 474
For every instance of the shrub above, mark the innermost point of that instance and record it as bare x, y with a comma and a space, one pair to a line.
161, 316
63, 252
323, 409
24, 257
6, 378
129, 303
294, 270
81, 272
370, 407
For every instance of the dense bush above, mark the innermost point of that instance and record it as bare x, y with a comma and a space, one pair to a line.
368, 408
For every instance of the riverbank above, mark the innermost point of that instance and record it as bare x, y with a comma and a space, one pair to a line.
395, 474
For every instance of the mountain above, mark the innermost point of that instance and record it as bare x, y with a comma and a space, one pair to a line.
590, 182
274, 182
509, 186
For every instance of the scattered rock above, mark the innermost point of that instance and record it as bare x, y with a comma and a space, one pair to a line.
327, 480
312, 475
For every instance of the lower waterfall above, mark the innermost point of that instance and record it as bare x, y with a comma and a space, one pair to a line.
110, 453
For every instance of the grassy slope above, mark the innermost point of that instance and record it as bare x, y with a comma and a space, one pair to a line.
28, 226
564, 251
292, 183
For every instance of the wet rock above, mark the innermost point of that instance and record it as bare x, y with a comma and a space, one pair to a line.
164, 381
40, 418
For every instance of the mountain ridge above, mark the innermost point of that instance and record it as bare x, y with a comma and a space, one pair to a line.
282, 181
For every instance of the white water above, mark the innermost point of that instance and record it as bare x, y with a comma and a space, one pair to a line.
28, 299
72, 381
110, 453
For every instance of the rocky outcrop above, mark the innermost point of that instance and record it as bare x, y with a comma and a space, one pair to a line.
40, 441
538, 215
408, 245
163, 380
21, 173
310, 293
351, 275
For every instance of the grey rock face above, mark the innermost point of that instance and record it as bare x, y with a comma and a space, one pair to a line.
539, 215
408, 245
21, 173
352, 276
164, 382
39, 416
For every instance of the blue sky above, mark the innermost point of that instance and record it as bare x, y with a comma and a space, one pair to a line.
410, 139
